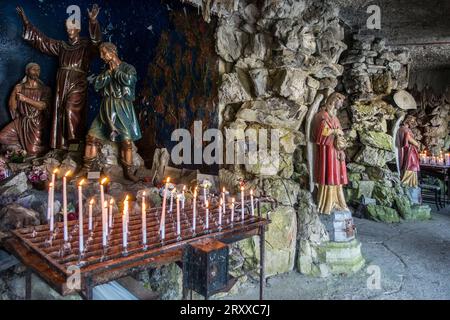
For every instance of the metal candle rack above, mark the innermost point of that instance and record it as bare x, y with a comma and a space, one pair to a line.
62, 256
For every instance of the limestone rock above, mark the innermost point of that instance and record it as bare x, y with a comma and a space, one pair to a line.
376, 139
14, 186
230, 42
382, 213
374, 157
14, 216
280, 9
285, 191
412, 212
259, 79
167, 281
290, 83
365, 189
384, 195
341, 257
232, 90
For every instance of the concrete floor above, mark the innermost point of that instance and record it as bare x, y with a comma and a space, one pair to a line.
413, 259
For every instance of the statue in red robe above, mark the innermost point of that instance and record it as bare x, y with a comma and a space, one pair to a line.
330, 170
408, 153
68, 116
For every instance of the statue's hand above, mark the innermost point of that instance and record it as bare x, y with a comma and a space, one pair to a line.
22, 15
21, 97
93, 13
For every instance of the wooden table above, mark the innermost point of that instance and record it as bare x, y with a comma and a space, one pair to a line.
60, 269
438, 171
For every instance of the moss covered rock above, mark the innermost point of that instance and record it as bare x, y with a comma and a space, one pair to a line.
376, 139
382, 213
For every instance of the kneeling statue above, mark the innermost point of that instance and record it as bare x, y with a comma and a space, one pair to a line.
117, 119
28, 105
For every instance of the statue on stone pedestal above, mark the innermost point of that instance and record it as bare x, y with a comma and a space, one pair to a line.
74, 57
330, 171
117, 119
28, 105
409, 160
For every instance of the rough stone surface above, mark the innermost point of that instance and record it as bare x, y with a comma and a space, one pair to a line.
15, 185
14, 216
383, 214
374, 157
376, 139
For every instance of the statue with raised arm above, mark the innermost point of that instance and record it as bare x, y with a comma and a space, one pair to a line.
28, 105
408, 153
330, 171
117, 119
74, 56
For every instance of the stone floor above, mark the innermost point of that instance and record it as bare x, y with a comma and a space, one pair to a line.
413, 259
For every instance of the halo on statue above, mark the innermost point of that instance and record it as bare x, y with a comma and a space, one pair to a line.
404, 100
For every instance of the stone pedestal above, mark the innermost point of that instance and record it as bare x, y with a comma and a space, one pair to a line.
339, 225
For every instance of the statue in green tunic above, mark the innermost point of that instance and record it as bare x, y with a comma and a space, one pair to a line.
116, 120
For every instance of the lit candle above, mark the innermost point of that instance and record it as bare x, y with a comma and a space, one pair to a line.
171, 199
162, 226
111, 202
242, 203
105, 223
223, 199
232, 210
125, 224
251, 202
80, 215
51, 207
207, 215
91, 203
183, 198
144, 221
102, 206
194, 210
204, 193
178, 216
66, 231
51, 194
220, 213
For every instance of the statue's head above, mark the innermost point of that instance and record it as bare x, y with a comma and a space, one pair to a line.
33, 70
410, 121
73, 29
108, 51
334, 102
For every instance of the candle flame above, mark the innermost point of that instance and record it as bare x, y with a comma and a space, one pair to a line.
207, 204
68, 173
251, 191
242, 188
168, 180
223, 189
111, 201
232, 200
184, 187
50, 185
104, 180
127, 197
143, 194
92, 201
55, 171
81, 182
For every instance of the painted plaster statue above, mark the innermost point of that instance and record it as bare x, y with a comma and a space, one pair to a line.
408, 147
117, 119
28, 104
330, 171
69, 114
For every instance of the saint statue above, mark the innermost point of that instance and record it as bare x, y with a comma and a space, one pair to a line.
28, 105
330, 171
74, 56
117, 119
408, 153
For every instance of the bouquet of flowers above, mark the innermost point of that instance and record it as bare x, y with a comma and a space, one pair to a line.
16, 156
38, 177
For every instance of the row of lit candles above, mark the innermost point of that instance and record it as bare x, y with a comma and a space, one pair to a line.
441, 160
107, 211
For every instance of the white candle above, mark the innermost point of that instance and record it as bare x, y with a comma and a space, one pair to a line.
125, 224
207, 215
204, 194
51, 194
91, 203
174, 192
162, 226
194, 210
242, 203
252, 203
51, 207
66, 231
80, 215
178, 216
183, 198
223, 200
105, 223
144, 220
220, 212
232, 210
110, 212
102, 206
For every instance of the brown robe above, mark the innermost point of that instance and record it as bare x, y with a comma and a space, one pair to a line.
29, 124
68, 114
